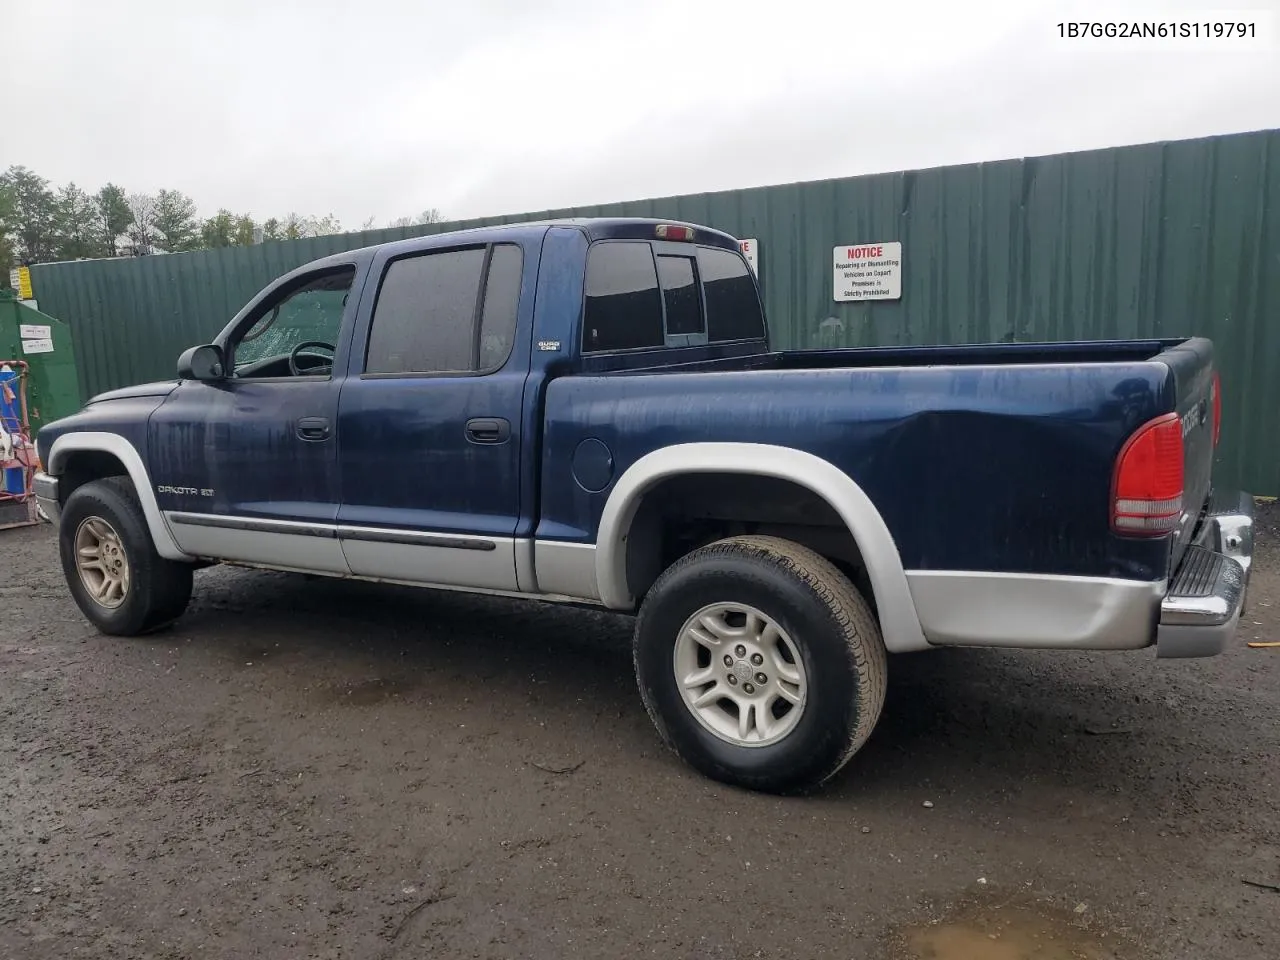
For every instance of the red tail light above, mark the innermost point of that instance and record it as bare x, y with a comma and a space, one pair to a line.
1216, 390
1146, 494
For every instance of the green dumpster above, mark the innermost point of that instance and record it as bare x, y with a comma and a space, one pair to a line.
44, 344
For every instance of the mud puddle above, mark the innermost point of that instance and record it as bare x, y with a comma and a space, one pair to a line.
1010, 933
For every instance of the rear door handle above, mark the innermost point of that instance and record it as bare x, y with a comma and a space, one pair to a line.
488, 430
313, 428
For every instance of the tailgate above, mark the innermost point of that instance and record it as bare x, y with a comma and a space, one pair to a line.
1191, 363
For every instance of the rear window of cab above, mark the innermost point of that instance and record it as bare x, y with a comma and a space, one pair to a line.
639, 298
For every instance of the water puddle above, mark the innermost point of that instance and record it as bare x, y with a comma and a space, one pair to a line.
1009, 933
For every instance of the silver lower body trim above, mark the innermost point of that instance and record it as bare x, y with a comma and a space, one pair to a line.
501, 565
1039, 611
1194, 615
448, 587
441, 562
566, 568
278, 544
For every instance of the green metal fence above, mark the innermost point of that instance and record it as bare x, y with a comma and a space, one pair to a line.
1166, 239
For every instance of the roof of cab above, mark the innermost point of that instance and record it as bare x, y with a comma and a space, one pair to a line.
595, 228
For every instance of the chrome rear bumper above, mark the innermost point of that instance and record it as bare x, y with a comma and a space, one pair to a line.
1199, 614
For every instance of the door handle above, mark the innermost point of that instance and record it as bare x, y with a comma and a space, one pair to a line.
488, 430
313, 428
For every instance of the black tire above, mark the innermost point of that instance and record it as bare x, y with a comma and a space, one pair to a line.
159, 589
829, 623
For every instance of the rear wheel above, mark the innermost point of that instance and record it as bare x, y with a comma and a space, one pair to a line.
760, 663
110, 563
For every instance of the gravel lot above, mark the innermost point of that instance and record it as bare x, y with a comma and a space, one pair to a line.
304, 768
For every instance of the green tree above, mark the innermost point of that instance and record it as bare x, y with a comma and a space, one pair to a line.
8, 227
34, 214
426, 216
242, 232
295, 227
324, 226
77, 224
142, 232
175, 219
219, 230
272, 229
115, 216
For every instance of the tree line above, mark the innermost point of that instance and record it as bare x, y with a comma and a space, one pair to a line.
40, 223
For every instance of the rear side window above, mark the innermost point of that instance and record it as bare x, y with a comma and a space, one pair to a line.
623, 305
430, 317
733, 308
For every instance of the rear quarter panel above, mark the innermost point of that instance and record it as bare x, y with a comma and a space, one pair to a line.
981, 468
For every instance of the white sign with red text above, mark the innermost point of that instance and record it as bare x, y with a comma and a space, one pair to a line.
868, 271
750, 249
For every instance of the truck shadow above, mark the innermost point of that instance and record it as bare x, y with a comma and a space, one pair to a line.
973, 724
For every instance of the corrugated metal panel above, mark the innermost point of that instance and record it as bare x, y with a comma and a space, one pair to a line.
1167, 239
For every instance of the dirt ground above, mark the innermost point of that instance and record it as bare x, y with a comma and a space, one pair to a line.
304, 768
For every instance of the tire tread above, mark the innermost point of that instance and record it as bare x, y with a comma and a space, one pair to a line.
849, 609
165, 585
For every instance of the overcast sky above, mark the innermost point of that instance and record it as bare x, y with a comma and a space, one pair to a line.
386, 107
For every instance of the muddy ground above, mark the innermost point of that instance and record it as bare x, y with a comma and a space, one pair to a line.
304, 768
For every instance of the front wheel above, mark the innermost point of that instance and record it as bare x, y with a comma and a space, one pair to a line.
760, 663
111, 566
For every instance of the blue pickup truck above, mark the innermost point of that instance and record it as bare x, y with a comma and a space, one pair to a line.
590, 411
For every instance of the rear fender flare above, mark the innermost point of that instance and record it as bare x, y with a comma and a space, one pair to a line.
127, 454
899, 622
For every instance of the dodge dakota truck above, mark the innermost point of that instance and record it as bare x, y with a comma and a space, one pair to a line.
590, 411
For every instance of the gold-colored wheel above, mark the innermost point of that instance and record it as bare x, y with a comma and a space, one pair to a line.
102, 562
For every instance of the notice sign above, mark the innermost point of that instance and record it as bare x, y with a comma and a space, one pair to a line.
34, 331
750, 248
37, 346
868, 271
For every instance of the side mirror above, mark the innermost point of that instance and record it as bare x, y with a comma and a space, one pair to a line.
201, 363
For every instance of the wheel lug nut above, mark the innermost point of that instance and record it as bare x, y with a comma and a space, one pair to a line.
740, 650
748, 688
733, 681
728, 660
757, 659
761, 678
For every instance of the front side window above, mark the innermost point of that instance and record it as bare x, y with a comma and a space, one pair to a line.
623, 306
430, 316
296, 333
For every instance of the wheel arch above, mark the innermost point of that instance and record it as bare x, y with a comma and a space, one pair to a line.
900, 625
118, 447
